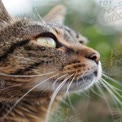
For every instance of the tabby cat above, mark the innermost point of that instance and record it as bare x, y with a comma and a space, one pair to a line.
38, 61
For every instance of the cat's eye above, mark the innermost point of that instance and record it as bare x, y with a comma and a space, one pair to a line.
46, 41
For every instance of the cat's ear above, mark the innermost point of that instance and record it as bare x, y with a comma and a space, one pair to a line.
56, 15
4, 16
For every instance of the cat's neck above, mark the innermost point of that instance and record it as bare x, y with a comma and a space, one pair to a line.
25, 111
32, 110
32, 107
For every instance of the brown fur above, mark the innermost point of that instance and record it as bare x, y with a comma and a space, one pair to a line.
22, 61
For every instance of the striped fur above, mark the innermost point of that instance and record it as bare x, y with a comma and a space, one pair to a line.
25, 64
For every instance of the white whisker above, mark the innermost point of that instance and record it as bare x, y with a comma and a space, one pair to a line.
53, 86
105, 98
112, 87
115, 81
25, 76
70, 84
83, 92
54, 96
39, 16
114, 95
96, 92
67, 92
111, 93
27, 94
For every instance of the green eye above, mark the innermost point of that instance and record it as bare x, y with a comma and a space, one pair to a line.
46, 41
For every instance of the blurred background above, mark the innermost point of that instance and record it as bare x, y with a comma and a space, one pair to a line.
101, 22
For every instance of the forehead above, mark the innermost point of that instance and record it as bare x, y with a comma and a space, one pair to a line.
68, 33
64, 28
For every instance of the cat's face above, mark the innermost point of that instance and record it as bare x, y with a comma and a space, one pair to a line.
46, 53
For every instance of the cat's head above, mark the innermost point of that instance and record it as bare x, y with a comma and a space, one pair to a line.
45, 55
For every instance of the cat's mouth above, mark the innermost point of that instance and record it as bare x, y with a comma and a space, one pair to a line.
87, 77
70, 83
81, 83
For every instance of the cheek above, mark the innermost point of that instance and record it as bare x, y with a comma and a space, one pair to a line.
10, 65
81, 67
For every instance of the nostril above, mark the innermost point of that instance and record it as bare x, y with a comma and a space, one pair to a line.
94, 56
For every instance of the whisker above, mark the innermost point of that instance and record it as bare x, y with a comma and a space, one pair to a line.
86, 94
53, 86
80, 91
109, 78
96, 92
112, 87
40, 17
114, 97
67, 92
111, 93
115, 93
27, 94
105, 98
24, 76
70, 84
53, 97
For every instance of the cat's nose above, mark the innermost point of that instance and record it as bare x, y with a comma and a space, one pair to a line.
93, 55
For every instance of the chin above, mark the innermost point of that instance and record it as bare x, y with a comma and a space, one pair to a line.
72, 86
82, 84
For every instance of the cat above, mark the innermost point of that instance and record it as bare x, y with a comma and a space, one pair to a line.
40, 60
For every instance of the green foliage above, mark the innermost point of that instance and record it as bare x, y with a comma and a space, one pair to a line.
109, 46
